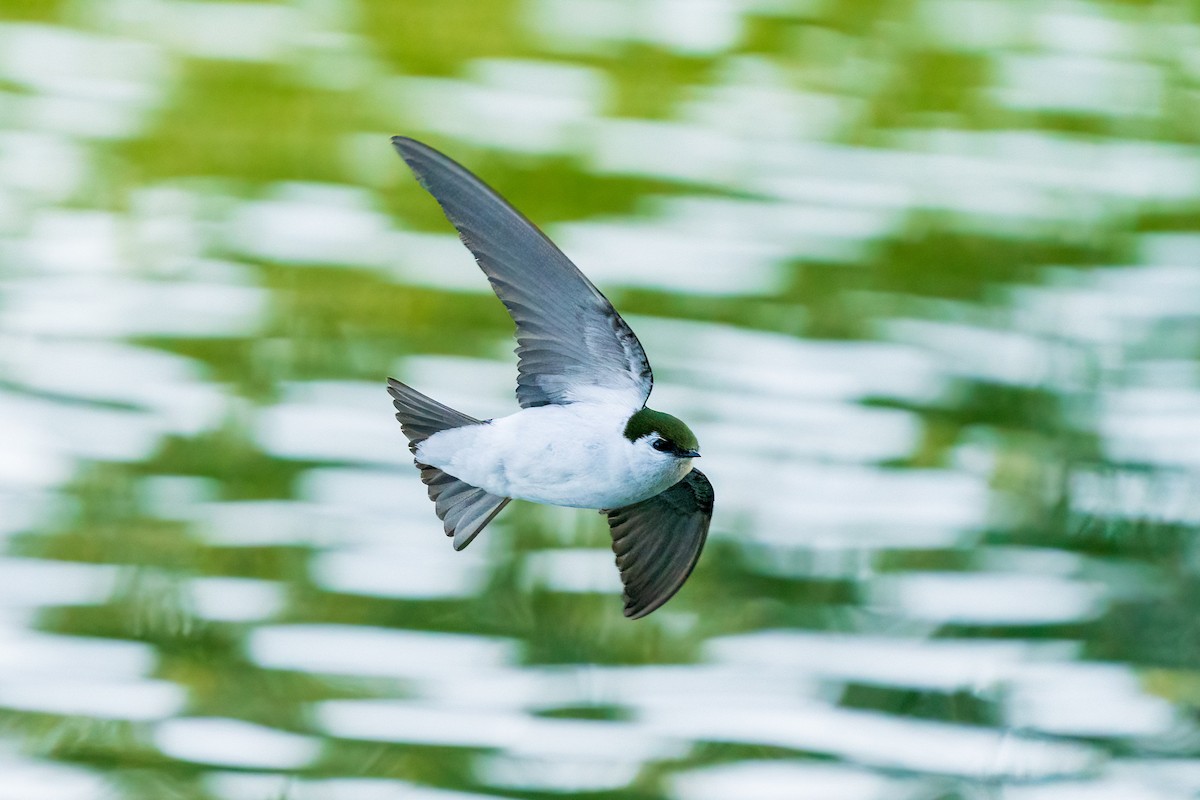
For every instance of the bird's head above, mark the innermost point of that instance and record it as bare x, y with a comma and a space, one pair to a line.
667, 436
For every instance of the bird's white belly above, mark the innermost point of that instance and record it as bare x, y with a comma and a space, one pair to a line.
573, 455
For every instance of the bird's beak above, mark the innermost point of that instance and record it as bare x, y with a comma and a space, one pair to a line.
690, 454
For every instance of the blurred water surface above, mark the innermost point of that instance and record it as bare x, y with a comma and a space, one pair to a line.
923, 276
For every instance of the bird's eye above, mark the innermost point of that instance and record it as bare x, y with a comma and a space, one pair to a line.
661, 445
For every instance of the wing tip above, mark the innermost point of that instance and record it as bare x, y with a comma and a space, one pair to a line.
632, 612
403, 143
637, 609
461, 541
413, 152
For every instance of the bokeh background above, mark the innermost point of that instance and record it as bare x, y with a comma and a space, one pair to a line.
924, 275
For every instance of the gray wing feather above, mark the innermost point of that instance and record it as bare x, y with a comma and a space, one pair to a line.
569, 337
658, 541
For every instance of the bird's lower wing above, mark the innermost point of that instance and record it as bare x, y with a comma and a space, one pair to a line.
658, 542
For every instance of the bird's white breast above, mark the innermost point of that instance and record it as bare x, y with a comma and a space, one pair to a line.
567, 455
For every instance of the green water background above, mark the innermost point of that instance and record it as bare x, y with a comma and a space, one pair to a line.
952, 244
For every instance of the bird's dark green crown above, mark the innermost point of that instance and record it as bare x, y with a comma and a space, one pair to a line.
672, 429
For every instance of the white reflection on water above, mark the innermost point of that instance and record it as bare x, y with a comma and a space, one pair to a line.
751, 701
571, 570
250, 523
176, 497
755, 95
534, 753
29, 459
853, 507
382, 652
252, 786
1134, 493
754, 704
1120, 784
555, 772
234, 743
1144, 779
694, 260
586, 741
1080, 84
23, 507
232, 31
81, 83
689, 27
1122, 306
986, 176
305, 224
999, 356
318, 432
379, 521
1061, 699
1042, 685
139, 700
25, 653
439, 571
781, 780
989, 598
119, 307
880, 740
33, 582
655, 149
411, 252
763, 365
945, 665
334, 421
44, 168
1154, 426
72, 242
370, 498
985, 26
168, 386
75, 431
527, 106
236, 599
1081, 28
26, 779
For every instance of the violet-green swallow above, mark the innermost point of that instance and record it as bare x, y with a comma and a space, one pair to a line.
583, 437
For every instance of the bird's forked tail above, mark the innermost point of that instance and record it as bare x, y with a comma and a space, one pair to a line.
464, 509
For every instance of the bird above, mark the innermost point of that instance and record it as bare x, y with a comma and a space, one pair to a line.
584, 436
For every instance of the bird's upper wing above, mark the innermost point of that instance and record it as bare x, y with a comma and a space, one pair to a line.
571, 342
658, 541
